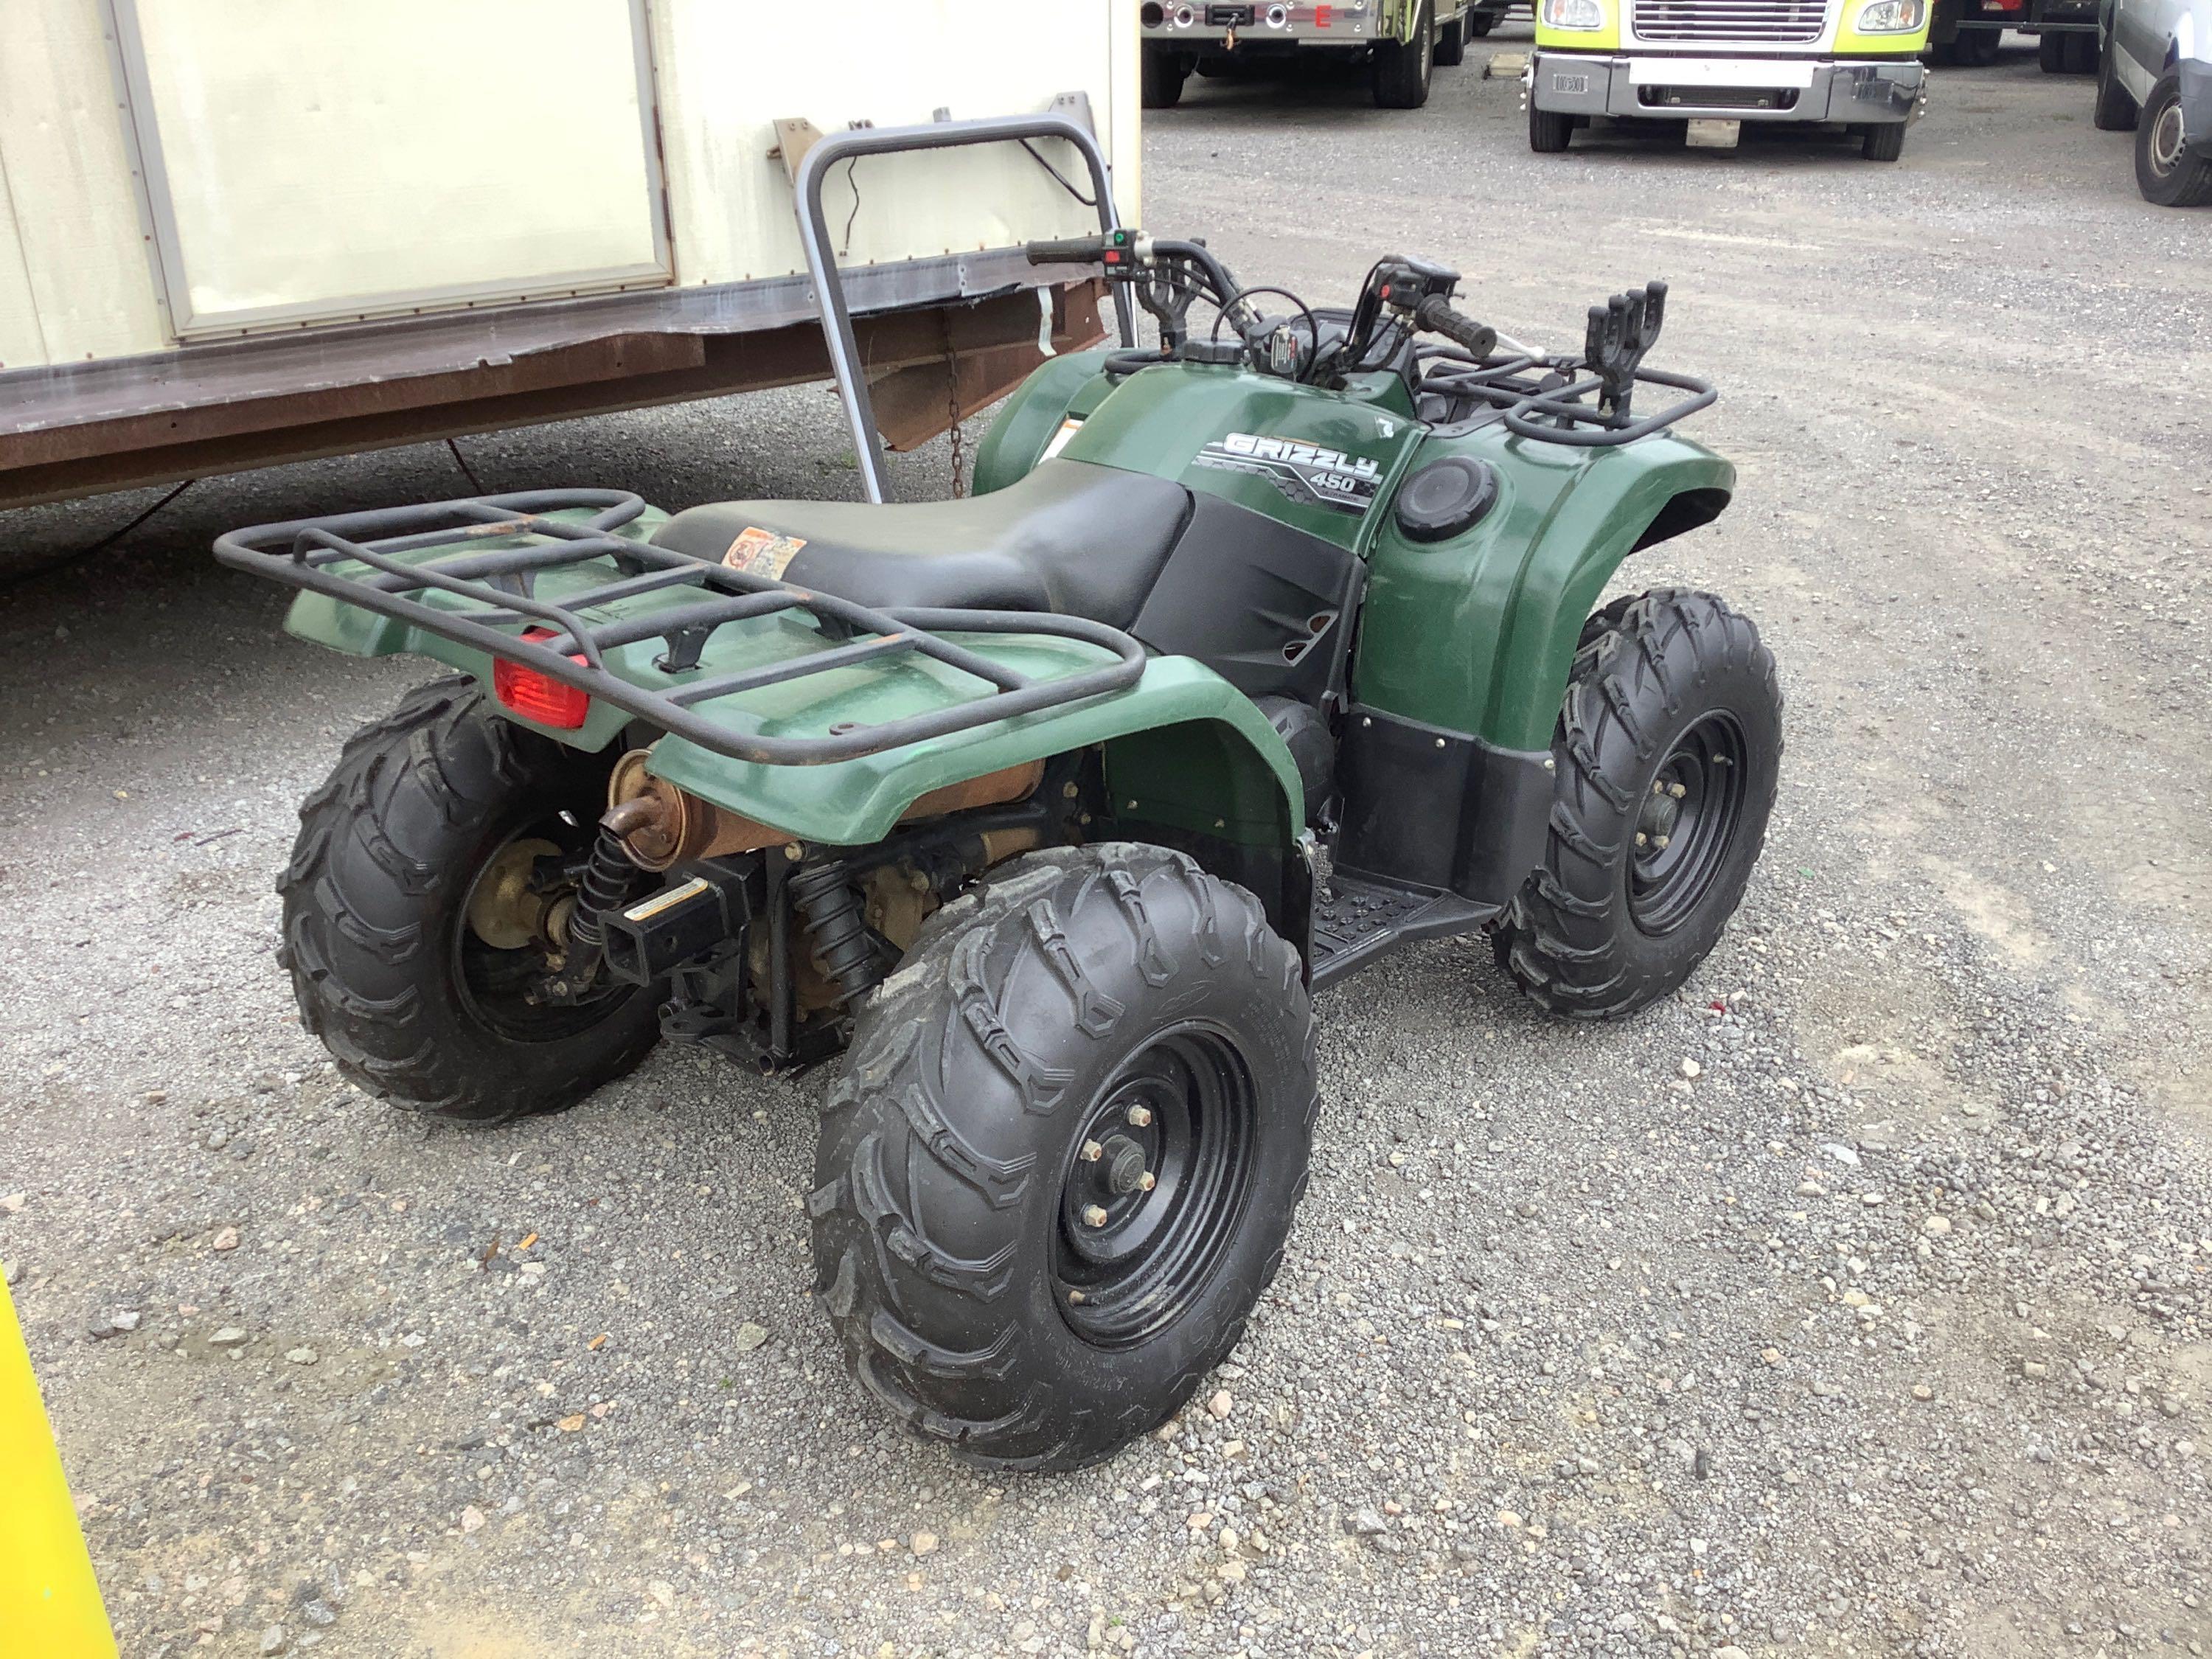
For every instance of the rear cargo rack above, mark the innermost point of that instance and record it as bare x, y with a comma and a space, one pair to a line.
497, 586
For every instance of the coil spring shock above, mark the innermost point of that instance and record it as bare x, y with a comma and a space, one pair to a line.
611, 880
825, 897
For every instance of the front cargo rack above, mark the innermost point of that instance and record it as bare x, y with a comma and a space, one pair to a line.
1584, 401
498, 585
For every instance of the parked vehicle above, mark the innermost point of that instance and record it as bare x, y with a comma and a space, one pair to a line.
1401, 40
1714, 65
2155, 78
1257, 656
1969, 33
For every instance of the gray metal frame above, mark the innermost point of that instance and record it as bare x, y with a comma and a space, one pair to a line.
157, 213
829, 282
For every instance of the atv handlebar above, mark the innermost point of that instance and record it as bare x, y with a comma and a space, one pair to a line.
1436, 315
1068, 251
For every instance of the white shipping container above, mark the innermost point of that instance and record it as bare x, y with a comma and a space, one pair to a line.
287, 227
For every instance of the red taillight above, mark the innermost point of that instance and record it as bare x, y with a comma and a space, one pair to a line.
537, 696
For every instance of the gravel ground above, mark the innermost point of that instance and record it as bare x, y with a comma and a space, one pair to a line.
1853, 1302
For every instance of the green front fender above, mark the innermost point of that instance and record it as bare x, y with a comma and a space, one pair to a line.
1182, 747
1478, 633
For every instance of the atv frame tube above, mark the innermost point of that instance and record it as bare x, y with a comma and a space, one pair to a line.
822, 264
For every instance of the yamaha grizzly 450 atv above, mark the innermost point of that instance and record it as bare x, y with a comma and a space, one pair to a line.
1251, 656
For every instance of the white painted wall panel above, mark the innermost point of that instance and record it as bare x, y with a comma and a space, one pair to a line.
321, 157
728, 71
22, 344
62, 146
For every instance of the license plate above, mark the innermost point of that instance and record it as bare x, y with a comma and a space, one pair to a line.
1574, 84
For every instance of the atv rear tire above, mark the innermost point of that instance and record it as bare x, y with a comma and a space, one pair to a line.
1399, 69
389, 970
978, 1294
1668, 753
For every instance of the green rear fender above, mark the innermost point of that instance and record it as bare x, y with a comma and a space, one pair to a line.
1182, 748
1478, 633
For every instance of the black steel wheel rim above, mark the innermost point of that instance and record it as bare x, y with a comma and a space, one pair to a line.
1687, 824
1154, 1186
508, 991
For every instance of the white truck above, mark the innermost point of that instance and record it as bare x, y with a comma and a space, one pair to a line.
1401, 40
234, 233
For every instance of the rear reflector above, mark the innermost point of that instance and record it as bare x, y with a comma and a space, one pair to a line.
537, 696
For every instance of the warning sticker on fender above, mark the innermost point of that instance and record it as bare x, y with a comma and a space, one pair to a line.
760, 552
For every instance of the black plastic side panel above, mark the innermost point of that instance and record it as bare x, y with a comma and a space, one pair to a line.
1242, 594
1440, 809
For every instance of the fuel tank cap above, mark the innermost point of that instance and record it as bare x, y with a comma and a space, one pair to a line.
1446, 498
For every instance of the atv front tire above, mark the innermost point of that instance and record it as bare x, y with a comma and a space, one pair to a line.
1059, 1168
1667, 755
389, 968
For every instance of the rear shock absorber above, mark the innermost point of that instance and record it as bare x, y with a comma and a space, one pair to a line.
826, 897
611, 880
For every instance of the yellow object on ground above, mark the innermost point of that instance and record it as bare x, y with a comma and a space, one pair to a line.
50, 1603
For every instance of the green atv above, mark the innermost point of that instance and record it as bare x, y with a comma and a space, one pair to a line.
1251, 657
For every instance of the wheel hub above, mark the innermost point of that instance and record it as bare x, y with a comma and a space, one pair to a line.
1686, 825
2165, 140
1153, 1187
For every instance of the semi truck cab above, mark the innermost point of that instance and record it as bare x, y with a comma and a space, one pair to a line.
1716, 64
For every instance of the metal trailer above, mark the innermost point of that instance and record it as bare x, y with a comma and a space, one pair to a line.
1401, 40
1967, 33
235, 233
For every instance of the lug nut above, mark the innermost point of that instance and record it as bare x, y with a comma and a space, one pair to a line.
1147, 1182
1641, 838
1094, 1215
1658, 786
1075, 1296
1659, 842
1141, 1117
1092, 1152
1679, 790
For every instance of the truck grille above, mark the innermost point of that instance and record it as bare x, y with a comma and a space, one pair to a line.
1748, 21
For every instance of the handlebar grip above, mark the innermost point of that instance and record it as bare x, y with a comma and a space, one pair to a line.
1435, 313
1068, 251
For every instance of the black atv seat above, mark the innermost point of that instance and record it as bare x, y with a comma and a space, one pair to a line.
1070, 537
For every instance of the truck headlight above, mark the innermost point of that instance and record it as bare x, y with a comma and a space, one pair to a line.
1586, 15
1892, 16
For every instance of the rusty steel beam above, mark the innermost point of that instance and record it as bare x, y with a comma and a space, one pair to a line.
631, 370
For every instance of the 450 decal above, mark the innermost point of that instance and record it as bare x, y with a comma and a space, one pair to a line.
1303, 471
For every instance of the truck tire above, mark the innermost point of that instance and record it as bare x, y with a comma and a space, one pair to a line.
1480, 23
1549, 132
1884, 141
1667, 756
1977, 48
2050, 52
2168, 174
1162, 73
977, 1293
1451, 43
2116, 110
1399, 69
385, 952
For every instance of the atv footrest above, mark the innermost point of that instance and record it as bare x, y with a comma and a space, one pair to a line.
1357, 918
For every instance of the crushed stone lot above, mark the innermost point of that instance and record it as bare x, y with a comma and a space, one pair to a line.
1854, 1301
